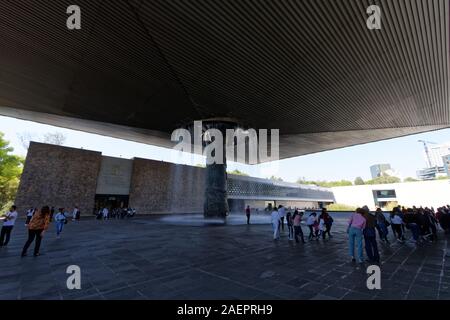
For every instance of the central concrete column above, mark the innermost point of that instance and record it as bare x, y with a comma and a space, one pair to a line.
216, 200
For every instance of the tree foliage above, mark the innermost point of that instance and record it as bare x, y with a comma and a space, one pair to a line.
237, 172
384, 179
10, 171
326, 184
340, 207
56, 138
358, 181
276, 178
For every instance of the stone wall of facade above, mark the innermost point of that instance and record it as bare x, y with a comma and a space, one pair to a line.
60, 177
162, 187
64, 177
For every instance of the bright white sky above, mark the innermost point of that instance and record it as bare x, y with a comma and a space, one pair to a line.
405, 154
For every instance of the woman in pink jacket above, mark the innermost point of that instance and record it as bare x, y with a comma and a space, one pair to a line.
356, 225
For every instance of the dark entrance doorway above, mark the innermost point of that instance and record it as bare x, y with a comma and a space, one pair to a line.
110, 201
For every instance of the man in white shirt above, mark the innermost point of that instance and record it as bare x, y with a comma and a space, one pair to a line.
8, 225
275, 219
30, 213
75, 214
105, 213
282, 214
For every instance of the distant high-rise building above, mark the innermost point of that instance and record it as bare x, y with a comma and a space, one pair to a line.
436, 154
378, 169
446, 161
430, 173
438, 161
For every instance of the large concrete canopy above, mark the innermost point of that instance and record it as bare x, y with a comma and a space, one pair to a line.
140, 69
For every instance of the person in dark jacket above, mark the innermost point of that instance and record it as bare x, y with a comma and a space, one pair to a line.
328, 222
370, 236
382, 225
411, 223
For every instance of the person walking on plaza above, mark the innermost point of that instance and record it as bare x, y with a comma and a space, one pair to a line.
297, 220
30, 213
382, 225
105, 213
316, 228
397, 223
275, 219
411, 222
52, 212
310, 222
60, 220
282, 214
326, 224
321, 227
36, 229
356, 225
8, 225
75, 214
247, 213
290, 225
429, 214
370, 236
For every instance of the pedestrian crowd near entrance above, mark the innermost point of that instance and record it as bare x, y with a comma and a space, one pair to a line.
106, 213
38, 221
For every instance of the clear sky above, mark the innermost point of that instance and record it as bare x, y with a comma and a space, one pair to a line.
405, 154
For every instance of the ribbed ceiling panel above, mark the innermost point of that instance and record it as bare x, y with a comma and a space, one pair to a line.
308, 67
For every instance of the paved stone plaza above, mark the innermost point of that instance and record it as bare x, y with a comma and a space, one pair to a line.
154, 258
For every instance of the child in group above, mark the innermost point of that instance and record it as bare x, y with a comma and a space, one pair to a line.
322, 227
297, 220
317, 231
60, 220
310, 223
290, 225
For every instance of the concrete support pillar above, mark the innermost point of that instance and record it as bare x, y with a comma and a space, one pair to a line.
216, 201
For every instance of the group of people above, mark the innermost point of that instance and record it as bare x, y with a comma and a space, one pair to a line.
364, 226
114, 213
37, 222
423, 223
75, 214
319, 226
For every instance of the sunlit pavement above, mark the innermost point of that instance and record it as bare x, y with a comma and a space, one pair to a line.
179, 257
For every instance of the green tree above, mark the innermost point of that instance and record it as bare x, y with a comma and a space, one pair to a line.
359, 181
409, 179
326, 184
10, 171
340, 183
237, 172
441, 178
276, 178
384, 179
303, 181
340, 207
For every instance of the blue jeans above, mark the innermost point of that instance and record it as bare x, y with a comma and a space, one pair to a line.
59, 227
355, 234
